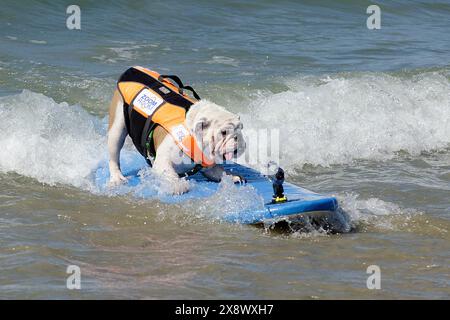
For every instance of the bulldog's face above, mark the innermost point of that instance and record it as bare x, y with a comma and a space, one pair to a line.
220, 132
226, 139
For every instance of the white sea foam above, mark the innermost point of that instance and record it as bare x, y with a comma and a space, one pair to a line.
375, 212
38, 41
223, 60
127, 52
336, 120
51, 142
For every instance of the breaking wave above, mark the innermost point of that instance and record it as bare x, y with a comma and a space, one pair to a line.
335, 120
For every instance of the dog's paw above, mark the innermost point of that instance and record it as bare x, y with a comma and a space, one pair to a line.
239, 179
117, 180
177, 187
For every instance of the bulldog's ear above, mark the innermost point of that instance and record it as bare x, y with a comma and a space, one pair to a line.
201, 125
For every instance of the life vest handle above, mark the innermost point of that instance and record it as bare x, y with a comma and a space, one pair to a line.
180, 84
196, 96
172, 77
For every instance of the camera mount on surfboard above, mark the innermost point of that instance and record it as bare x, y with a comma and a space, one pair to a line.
276, 174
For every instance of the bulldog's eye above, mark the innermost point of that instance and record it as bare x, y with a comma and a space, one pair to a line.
223, 132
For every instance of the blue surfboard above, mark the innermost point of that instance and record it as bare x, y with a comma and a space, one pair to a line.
303, 207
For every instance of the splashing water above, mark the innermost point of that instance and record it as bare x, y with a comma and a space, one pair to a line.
375, 213
228, 200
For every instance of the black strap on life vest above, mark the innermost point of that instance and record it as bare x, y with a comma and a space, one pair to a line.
180, 84
191, 172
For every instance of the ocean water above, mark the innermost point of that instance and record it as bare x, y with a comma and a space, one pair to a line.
362, 114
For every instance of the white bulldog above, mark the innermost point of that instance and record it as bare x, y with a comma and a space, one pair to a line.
219, 131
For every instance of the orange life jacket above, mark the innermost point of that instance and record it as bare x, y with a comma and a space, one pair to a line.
151, 100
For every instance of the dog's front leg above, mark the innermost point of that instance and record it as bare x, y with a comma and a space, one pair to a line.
216, 172
164, 167
213, 173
